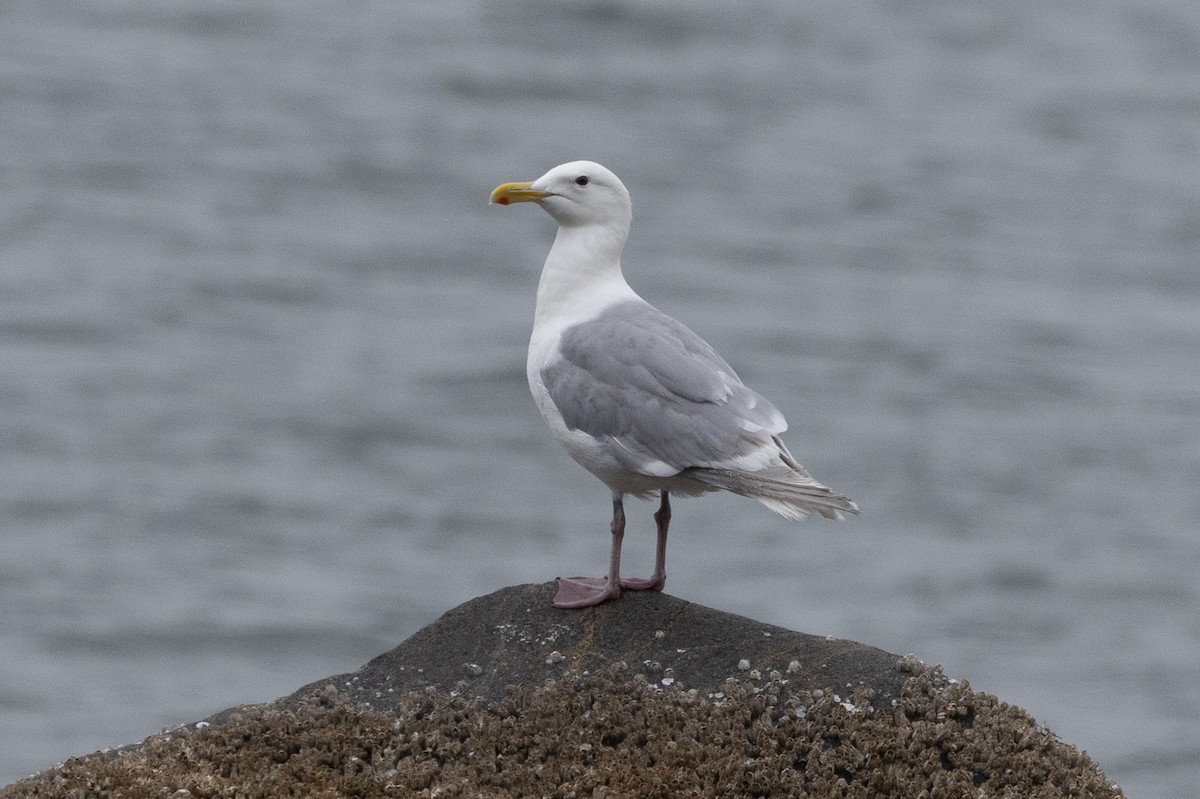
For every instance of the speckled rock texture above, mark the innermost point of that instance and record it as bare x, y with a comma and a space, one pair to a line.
516, 637
648, 696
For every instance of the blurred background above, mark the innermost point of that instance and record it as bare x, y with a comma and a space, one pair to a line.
263, 410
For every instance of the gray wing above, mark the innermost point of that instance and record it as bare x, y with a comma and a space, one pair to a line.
662, 398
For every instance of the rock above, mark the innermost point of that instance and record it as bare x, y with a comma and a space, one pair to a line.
516, 637
646, 696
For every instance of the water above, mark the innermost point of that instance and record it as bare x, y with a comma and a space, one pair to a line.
263, 411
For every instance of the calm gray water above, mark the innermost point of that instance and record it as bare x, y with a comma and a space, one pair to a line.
263, 411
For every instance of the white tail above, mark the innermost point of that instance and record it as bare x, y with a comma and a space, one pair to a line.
790, 492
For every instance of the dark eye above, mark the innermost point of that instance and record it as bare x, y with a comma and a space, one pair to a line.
582, 180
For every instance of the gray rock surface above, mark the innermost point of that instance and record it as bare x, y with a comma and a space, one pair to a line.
516, 637
651, 696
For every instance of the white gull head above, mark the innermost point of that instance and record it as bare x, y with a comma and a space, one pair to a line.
576, 194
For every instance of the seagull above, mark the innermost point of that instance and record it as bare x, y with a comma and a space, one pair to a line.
634, 396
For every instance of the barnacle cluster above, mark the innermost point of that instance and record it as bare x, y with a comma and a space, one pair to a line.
610, 734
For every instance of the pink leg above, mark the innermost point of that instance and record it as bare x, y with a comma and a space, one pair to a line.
584, 592
663, 519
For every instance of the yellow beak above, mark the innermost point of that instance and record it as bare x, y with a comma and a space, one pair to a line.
507, 193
